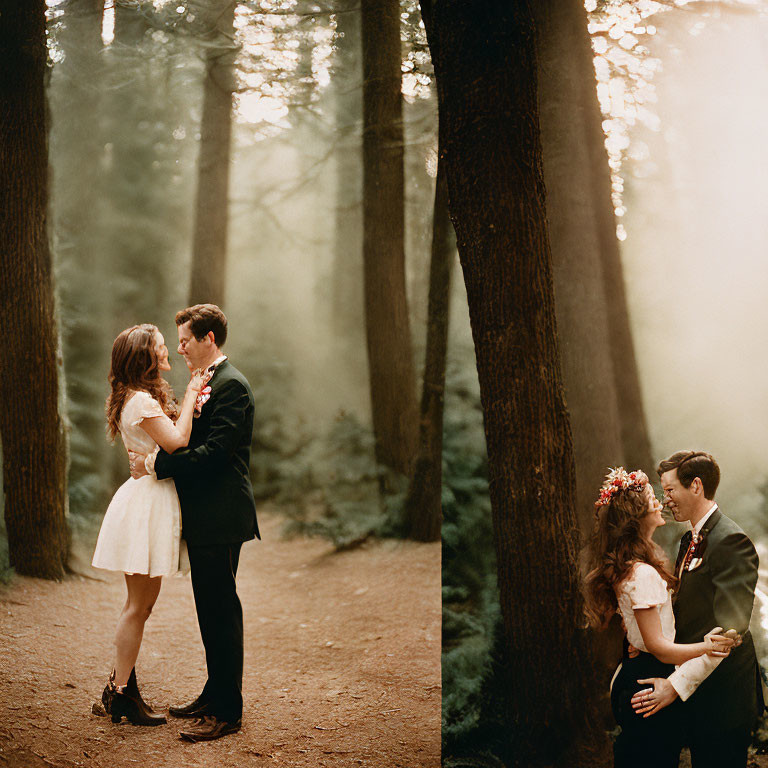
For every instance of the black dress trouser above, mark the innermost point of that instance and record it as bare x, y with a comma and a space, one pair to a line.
220, 616
651, 742
727, 750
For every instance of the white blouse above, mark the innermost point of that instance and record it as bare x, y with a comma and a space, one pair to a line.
645, 588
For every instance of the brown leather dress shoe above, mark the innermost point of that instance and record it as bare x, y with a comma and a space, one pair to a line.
208, 728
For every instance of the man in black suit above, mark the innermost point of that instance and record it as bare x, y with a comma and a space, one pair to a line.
717, 567
218, 514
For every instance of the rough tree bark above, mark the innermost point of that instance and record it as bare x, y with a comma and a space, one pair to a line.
423, 507
209, 247
34, 443
485, 65
390, 357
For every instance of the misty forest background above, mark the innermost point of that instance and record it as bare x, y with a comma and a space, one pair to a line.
281, 158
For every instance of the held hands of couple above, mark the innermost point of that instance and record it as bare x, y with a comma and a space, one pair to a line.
137, 464
719, 643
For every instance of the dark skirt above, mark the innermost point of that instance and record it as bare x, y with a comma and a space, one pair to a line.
643, 742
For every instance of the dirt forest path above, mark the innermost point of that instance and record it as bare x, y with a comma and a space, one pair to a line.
342, 663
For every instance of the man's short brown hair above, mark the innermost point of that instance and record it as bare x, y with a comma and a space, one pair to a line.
689, 466
203, 318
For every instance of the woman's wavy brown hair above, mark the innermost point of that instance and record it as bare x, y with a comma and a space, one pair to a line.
615, 546
135, 366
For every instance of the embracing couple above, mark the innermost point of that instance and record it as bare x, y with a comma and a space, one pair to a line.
190, 479
689, 675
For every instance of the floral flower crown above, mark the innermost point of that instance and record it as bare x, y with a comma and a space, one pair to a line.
618, 479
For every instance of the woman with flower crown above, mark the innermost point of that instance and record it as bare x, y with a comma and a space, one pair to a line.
629, 575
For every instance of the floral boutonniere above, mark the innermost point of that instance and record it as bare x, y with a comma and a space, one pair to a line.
204, 395
694, 558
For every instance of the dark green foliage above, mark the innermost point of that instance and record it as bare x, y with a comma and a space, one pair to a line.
331, 486
470, 599
485, 760
273, 442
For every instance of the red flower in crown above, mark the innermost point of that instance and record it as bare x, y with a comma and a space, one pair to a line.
618, 479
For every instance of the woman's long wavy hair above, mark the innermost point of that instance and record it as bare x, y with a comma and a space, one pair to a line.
135, 366
615, 546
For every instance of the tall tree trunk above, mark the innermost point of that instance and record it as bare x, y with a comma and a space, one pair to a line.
485, 64
599, 368
131, 24
390, 356
634, 426
347, 270
423, 507
34, 443
209, 248
580, 297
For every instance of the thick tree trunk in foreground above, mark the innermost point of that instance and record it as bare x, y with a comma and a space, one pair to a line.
485, 63
209, 247
423, 505
34, 445
390, 356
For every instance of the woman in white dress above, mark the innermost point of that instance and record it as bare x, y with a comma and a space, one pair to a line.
629, 575
141, 531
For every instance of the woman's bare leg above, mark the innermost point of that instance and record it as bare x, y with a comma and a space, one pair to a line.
142, 594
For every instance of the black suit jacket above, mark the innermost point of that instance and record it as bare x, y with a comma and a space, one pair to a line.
212, 473
720, 592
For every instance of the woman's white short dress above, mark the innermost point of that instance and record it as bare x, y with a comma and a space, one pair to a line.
141, 531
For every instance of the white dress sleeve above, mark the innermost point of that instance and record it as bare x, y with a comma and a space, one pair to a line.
142, 406
646, 588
